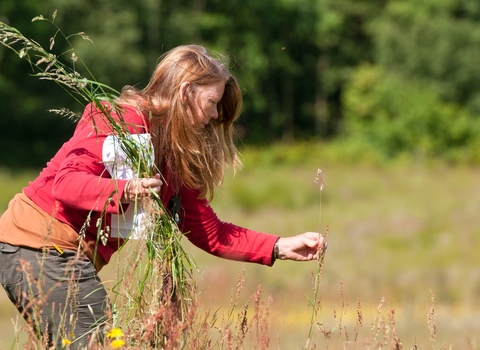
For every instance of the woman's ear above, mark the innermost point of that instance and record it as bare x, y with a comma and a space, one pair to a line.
183, 91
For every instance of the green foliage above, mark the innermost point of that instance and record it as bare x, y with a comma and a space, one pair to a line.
11, 184
29, 135
405, 116
435, 42
276, 189
294, 60
291, 74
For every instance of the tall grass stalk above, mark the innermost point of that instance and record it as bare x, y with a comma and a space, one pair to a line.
316, 277
164, 253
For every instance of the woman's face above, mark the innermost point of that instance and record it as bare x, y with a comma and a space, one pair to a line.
203, 103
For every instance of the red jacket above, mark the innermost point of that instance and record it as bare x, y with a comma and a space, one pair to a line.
76, 184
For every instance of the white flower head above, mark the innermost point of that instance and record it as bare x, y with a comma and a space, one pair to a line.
319, 179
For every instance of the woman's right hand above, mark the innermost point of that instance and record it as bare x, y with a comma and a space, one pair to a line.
141, 188
302, 247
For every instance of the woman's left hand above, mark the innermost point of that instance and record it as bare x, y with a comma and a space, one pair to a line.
141, 188
302, 247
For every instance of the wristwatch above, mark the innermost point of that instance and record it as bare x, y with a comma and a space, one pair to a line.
275, 252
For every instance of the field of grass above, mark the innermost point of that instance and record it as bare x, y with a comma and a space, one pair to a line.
400, 234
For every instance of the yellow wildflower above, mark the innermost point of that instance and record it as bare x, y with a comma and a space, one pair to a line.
115, 333
117, 343
66, 342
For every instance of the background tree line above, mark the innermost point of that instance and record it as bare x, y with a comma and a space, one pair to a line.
398, 76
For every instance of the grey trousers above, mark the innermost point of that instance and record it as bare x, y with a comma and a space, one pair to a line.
59, 295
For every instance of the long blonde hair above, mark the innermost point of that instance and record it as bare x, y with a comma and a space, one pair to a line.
195, 157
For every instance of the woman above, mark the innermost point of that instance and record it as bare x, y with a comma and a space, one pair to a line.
187, 110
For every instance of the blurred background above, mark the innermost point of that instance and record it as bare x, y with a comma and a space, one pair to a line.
382, 95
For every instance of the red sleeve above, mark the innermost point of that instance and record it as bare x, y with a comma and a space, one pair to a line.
82, 182
225, 240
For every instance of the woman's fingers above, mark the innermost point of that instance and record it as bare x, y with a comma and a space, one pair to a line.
140, 188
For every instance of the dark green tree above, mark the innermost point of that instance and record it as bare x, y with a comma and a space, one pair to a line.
28, 133
437, 42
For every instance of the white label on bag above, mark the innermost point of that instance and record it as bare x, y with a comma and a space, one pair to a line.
132, 223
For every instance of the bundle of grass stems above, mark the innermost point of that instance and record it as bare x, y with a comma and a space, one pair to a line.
159, 273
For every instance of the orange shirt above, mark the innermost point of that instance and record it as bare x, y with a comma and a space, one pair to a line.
25, 224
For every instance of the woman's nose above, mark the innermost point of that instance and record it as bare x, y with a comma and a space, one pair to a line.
214, 114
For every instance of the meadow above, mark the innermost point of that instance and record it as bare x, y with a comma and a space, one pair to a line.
401, 264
